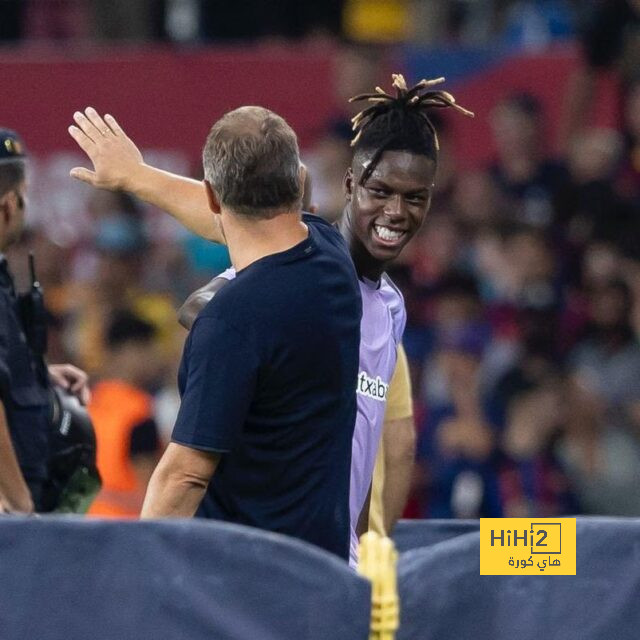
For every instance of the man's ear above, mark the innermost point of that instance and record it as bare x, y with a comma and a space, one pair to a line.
305, 182
347, 183
212, 197
8, 204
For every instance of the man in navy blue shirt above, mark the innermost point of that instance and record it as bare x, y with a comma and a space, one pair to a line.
268, 372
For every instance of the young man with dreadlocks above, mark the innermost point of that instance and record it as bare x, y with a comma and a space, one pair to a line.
388, 190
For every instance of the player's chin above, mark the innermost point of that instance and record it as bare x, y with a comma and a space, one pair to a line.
384, 251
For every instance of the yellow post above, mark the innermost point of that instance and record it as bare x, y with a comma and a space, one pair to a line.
378, 563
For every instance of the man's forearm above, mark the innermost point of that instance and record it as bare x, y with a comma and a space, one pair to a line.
172, 495
14, 492
178, 483
183, 198
400, 447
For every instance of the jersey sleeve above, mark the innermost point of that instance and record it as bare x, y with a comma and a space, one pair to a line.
395, 302
399, 401
221, 373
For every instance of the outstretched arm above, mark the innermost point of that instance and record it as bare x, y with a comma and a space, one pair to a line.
118, 165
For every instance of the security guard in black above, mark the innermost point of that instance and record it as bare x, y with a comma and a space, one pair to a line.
24, 390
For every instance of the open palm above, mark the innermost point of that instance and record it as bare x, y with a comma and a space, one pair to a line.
114, 156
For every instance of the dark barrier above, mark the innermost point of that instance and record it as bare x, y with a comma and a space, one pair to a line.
75, 579
413, 534
444, 597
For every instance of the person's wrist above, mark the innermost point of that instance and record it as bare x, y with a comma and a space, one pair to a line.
134, 179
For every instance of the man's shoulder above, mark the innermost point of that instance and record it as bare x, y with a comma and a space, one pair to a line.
326, 229
229, 298
313, 219
242, 297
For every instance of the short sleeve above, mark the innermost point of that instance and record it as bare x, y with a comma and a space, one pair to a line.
399, 402
395, 302
221, 366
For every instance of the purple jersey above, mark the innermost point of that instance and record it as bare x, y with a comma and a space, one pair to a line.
381, 329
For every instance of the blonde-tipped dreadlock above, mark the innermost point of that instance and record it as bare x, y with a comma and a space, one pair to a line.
400, 122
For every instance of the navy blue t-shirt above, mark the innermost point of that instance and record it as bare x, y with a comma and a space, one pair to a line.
268, 378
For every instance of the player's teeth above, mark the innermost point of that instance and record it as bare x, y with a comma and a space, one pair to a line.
387, 234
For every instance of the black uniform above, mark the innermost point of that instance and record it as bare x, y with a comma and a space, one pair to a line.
24, 390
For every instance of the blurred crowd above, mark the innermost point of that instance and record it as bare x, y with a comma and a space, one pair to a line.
523, 296
529, 22
522, 291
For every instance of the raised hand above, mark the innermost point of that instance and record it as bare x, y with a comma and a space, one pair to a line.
114, 156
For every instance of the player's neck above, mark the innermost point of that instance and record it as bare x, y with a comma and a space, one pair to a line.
366, 265
251, 240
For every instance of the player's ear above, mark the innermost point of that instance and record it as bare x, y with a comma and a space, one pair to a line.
305, 182
347, 183
212, 197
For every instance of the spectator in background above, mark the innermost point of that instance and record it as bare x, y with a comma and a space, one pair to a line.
601, 444
607, 362
328, 162
477, 202
453, 301
523, 173
628, 182
610, 39
532, 481
122, 246
527, 404
589, 207
537, 358
122, 412
457, 443
438, 250
357, 69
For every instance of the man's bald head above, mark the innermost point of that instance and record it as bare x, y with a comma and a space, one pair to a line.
252, 162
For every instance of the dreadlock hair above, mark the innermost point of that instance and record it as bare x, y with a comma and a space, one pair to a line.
399, 123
